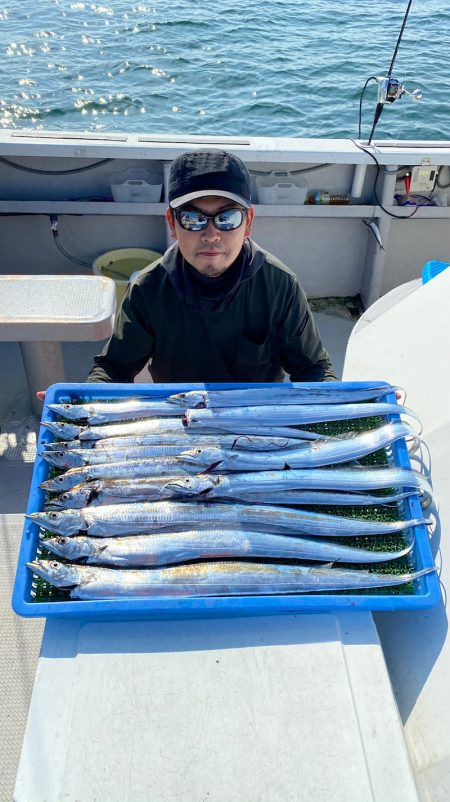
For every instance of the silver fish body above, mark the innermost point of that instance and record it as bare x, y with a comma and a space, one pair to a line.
63, 445
143, 518
291, 415
106, 412
318, 497
211, 579
168, 548
327, 451
151, 439
76, 457
329, 393
246, 427
244, 442
69, 431
375, 231
99, 492
360, 478
132, 440
158, 466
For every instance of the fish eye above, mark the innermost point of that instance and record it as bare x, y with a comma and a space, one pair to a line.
54, 564
62, 541
59, 453
65, 497
53, 515
60, 479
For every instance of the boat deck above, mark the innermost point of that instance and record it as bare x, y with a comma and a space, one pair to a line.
21, 638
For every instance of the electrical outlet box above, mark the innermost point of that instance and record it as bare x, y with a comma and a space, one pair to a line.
423, 178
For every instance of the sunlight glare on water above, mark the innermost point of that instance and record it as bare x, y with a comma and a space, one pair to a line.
279, 68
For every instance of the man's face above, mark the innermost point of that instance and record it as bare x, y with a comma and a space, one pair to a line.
211, 251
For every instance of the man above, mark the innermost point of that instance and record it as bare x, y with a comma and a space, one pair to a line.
216, 307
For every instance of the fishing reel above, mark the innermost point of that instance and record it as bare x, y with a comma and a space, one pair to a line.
390, 89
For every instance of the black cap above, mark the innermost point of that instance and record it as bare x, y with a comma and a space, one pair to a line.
197, 174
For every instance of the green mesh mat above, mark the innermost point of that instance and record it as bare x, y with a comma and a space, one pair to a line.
45, 592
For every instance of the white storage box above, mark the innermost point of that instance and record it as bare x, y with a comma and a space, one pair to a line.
281, 187
135, 185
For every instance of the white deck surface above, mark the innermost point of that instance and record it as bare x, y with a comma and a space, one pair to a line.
19, 651
409, 345
269, 709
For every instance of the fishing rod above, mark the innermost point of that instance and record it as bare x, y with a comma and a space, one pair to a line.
389, 88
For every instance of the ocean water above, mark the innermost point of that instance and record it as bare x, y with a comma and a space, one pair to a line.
273, 68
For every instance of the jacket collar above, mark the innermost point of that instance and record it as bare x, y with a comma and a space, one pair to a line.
173, 264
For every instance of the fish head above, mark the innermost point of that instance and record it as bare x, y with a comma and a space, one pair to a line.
63, 522
63, 445
71, 548
66, 431
74, 499
208, 458
69, 411
65, 481
58, 574
62, 459
191, 485
193, 399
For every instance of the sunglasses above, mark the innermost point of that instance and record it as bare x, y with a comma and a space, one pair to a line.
193, 220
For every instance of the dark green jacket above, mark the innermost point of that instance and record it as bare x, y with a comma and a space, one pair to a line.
263, 326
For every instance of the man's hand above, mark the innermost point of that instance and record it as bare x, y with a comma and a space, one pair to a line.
40, 395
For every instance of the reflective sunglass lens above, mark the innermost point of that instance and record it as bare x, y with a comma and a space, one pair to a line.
228, 220
193, 220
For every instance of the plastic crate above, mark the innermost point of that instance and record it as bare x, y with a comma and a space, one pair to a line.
427, 592
281, 188
432, 269
134, 185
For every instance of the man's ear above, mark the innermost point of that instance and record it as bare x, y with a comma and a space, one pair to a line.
249, 221
170, 217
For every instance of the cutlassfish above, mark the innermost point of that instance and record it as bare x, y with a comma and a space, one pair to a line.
176, 547
211, 579
128, 491
105, 412
360, 478
332, 393
287, 415
77, 457
111, 451
327, 451
69, 431
114, 491
142, 468
143, 518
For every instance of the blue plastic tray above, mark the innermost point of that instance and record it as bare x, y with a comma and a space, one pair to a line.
427, 592
432, 269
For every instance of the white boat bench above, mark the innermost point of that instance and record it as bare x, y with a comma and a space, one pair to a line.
40, 312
